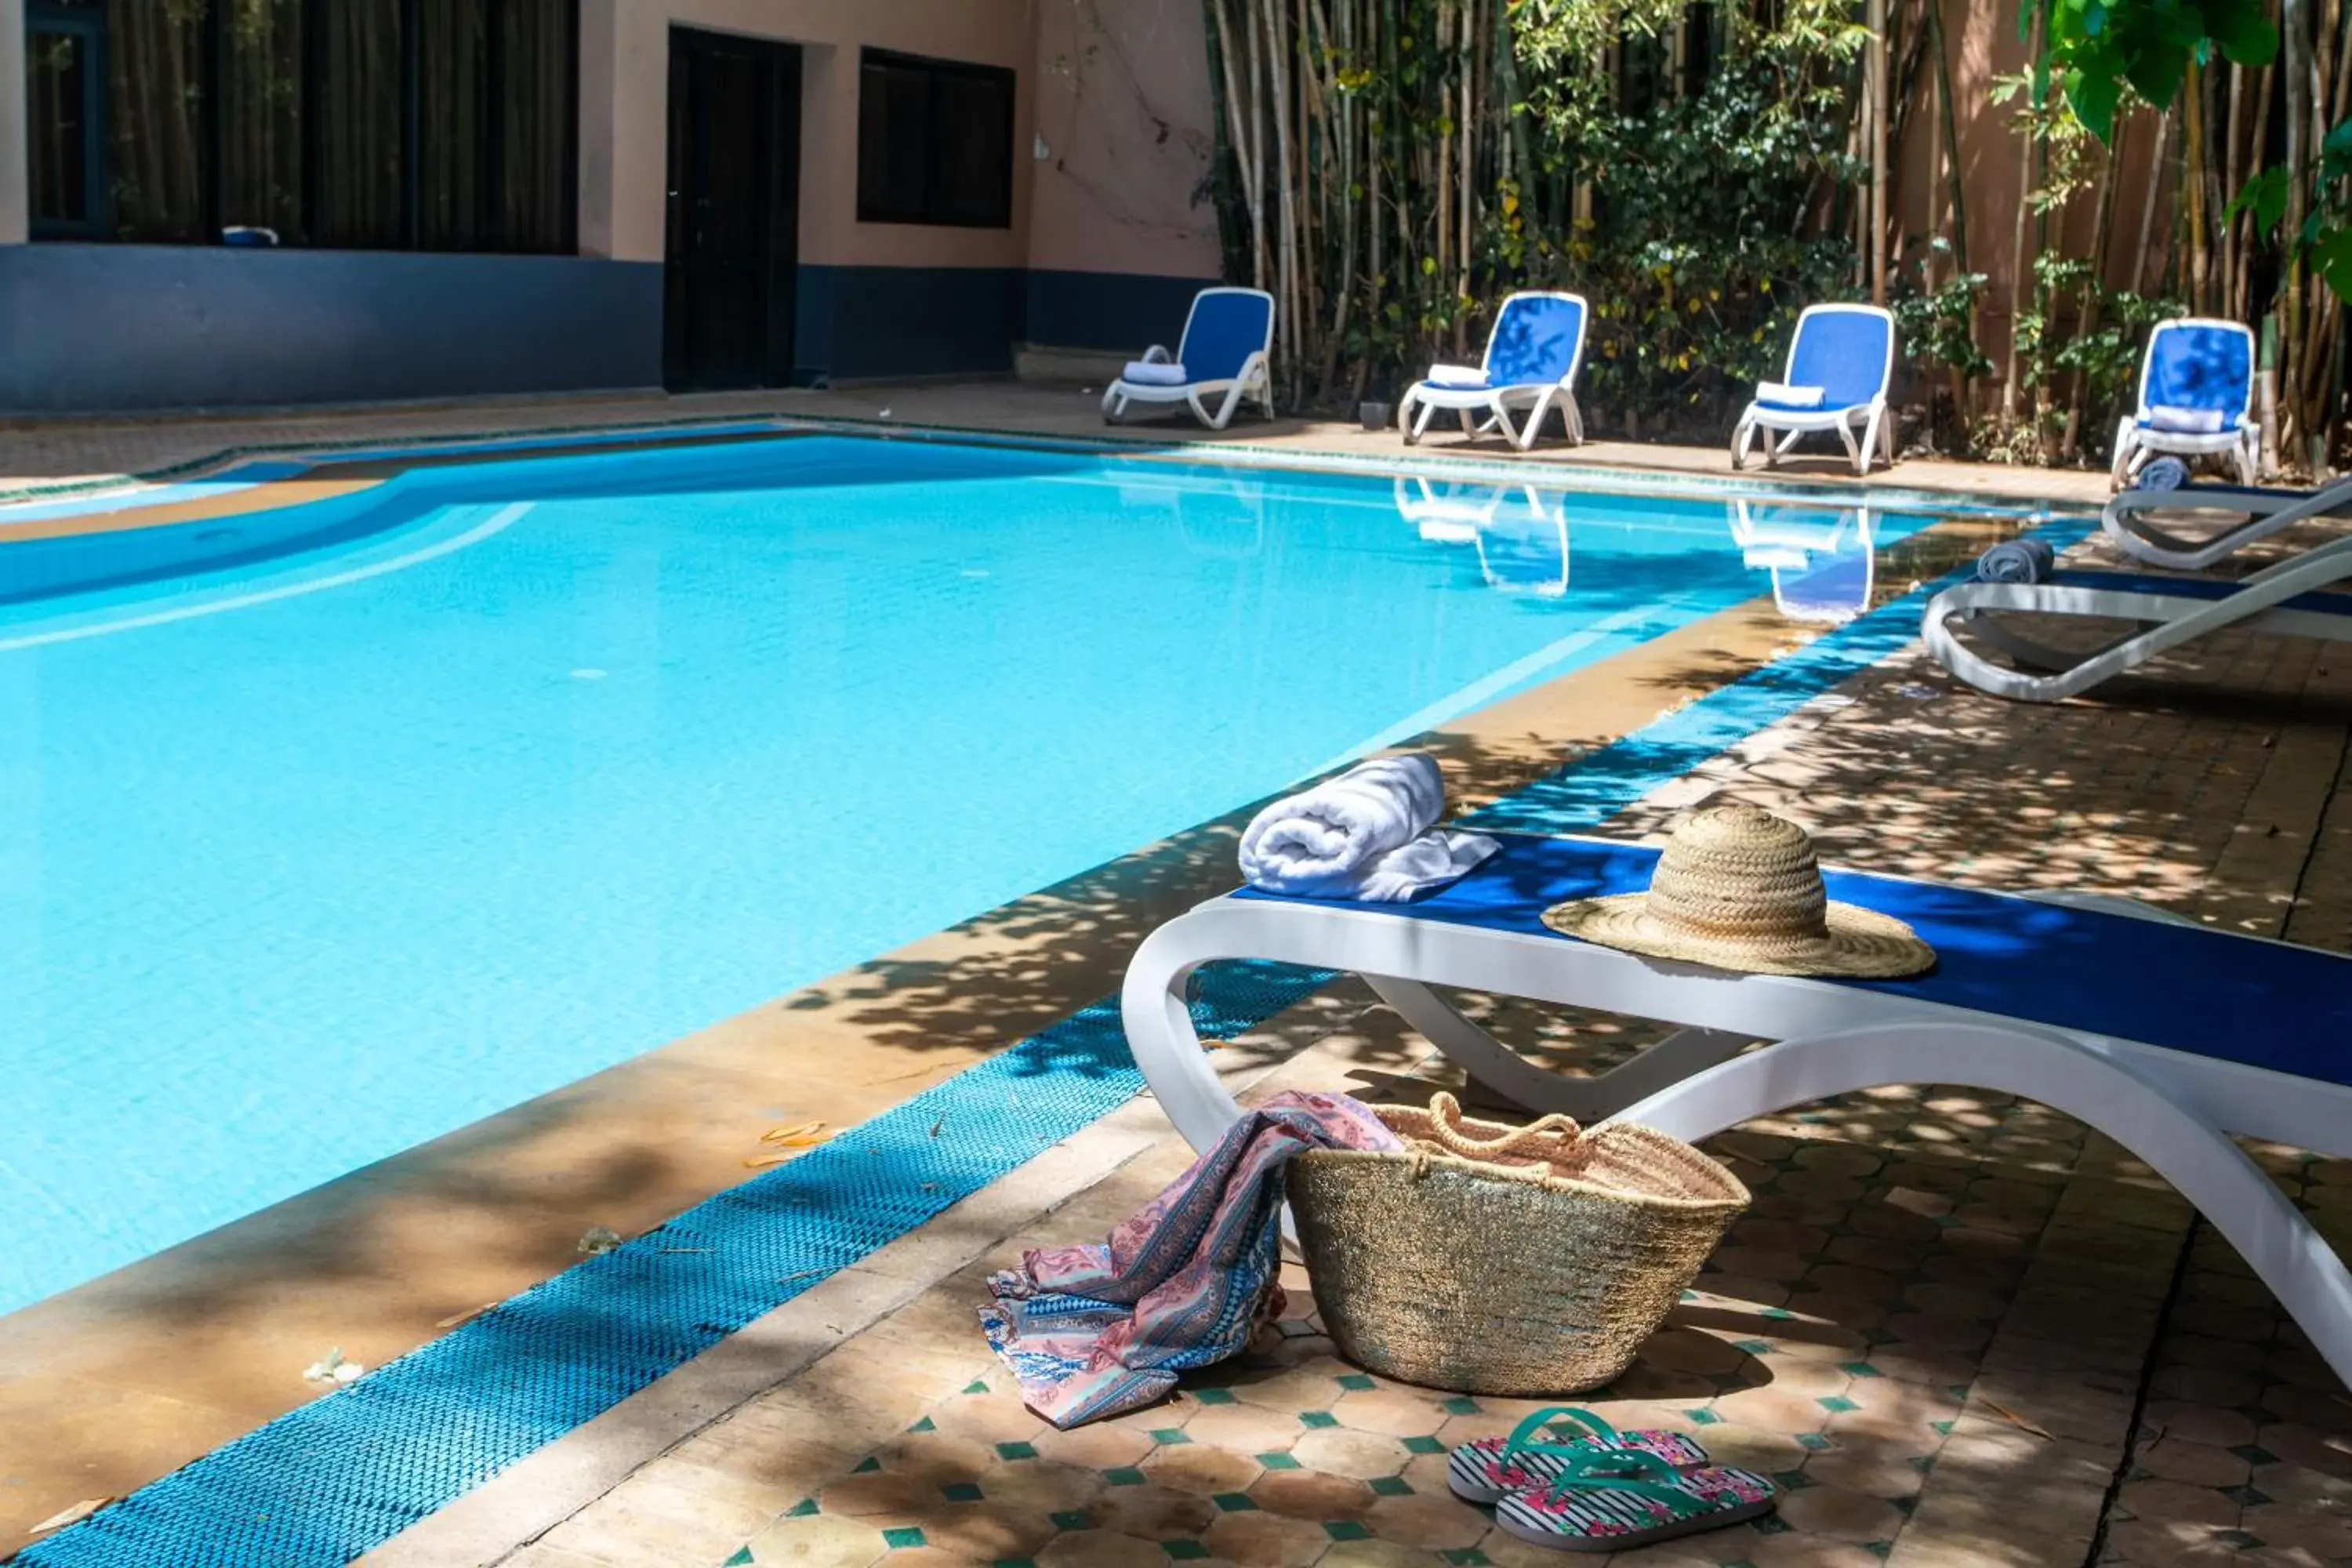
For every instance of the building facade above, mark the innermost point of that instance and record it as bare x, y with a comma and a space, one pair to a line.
242, 203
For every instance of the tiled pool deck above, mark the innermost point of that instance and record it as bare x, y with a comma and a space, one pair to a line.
1962, 1330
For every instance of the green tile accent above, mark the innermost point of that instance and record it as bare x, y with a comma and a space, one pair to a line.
1469, 1555
1751, 1347
1213, 1395
902, 1536
1125, 1476
802, 1508
1356, 1382
1077, 1519
975, 1386
1881, 1549
1836, 1403
1234, 1502
1277, 1461
1392, 1485
1318, 1418
1703, 1416
1423, 1446
1771, 1524
867, 1466
2255, 1455
924, 1424
2246, 1497
1793, 1480
1943, 1428
1015, 1451
742, 1555
961, 1492
1346, 1530
1923, 1463
1859, 1369
2244, 1539
1905, 1504
1014, 1562
1958, 1391
1183, 1550
1461, 1404
1816, 1441
1776, 1314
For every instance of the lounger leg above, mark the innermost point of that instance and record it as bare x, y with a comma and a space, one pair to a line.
2249, 459
1114, 406
1503, 1071
1405, 408
1742, 436
1462, 417
2141, 1113
1421, 424
1854, 450
1773, 454
1571, 419
1524, 437
2125, 431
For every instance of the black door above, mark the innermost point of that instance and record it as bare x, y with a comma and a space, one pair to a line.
734, 207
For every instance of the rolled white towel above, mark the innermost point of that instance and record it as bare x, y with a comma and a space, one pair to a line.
1432, 860
2184, 421
1787, 396
2164, 474
1152, 372
1327, 839
1468, 377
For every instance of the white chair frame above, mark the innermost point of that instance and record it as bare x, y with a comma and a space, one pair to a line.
2135, 445
1871, 419
2173, 1108
1535, 399
1255, 379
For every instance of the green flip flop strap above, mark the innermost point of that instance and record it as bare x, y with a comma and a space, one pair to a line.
1680, 1500
1522, 1439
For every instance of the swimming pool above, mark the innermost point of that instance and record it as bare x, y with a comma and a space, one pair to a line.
325, 831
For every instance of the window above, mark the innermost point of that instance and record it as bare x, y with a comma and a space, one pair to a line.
934, 142
380, 124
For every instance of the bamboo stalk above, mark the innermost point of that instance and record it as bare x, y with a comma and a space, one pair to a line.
2094, 295
1876, 110
2017, 285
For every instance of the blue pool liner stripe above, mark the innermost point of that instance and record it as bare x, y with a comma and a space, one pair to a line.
339, 1477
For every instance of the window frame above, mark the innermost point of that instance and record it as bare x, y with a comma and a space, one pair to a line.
871, 210
100, 227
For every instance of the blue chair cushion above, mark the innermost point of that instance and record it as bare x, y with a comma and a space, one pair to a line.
1224, 332
1535, 342
2191, 366
1843, 352
2192, 988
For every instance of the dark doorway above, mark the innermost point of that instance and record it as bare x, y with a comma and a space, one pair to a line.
734, 209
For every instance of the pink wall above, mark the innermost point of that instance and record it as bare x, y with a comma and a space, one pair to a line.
1123, 107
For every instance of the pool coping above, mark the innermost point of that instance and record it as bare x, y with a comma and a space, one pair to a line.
44, 1550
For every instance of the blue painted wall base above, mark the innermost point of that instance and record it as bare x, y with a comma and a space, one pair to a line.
90, 328
130, 327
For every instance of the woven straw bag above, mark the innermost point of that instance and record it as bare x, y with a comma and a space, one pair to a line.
1487, 1259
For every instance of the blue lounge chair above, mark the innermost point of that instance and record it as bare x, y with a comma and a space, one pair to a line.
2289, 599
2196, 392
1222, 357
1530, 367
1821, 559
1840, 365
2165, 1035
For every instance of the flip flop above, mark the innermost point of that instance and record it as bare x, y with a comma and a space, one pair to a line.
1487, 1469
1617, 1502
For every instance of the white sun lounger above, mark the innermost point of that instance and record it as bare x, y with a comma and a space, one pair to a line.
2286, 600
2165, 1036
2199, 369
1228, 337
1529, 367
1845, 355
2143, 522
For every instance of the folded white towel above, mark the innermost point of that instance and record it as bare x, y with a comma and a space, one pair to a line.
2184, 421
1789, 396
1329, 840
1140, 372
1463, 375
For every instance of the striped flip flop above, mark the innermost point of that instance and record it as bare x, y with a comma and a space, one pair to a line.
1487, 1469
1620, 1501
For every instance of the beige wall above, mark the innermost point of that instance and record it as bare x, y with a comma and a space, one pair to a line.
623, 118
1123, 104
15, 152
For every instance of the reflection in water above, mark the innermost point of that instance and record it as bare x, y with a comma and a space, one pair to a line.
1520, 533
1217, 516
1821, 558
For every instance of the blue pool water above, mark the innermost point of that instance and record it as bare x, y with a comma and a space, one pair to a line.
326, 831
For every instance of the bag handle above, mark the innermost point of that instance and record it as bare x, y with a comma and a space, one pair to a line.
1445, 1130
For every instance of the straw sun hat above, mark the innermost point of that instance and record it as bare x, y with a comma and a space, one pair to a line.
1739, 889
